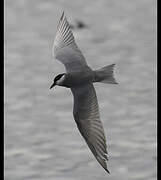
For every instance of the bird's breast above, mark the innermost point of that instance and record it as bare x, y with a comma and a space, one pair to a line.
78, 79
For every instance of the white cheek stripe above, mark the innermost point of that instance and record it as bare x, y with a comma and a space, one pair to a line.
60, 81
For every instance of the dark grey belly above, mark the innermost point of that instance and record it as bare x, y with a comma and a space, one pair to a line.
78, 78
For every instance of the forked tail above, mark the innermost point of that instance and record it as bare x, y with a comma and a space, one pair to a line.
105, 75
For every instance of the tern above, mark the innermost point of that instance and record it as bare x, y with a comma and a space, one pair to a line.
79, 77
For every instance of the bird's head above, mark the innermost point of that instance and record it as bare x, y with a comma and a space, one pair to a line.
58, 80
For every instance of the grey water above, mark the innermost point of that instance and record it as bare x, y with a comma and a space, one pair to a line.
41, 138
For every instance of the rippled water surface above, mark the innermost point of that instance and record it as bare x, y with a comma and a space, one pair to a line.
41, 138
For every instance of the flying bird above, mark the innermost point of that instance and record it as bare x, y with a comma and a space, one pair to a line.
79, 77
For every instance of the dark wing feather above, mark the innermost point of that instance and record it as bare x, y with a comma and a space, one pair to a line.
86, 115
65, 48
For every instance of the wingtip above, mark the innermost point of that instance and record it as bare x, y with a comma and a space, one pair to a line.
105, 167
107, 171
62, 15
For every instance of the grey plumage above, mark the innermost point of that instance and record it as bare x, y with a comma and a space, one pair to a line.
86, 115
80, 78
65, 48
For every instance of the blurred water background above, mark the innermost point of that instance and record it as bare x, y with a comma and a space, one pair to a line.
41, 138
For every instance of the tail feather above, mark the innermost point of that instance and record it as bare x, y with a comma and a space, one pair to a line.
105, 75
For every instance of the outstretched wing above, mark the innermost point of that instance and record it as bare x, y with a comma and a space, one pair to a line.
65, 48
86, 115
